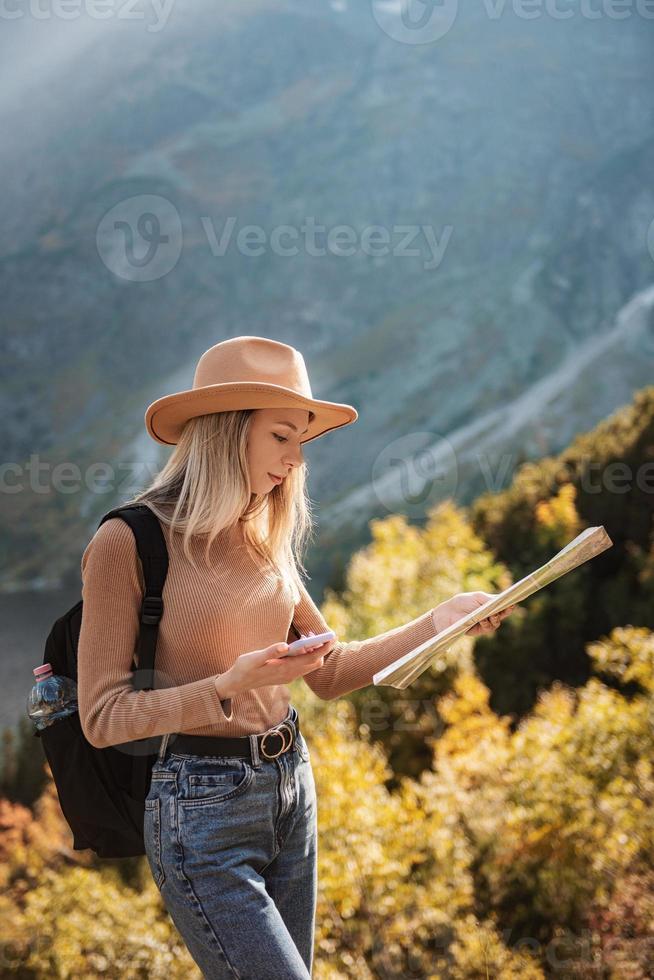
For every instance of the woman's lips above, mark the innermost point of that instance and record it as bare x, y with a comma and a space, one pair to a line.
277, 479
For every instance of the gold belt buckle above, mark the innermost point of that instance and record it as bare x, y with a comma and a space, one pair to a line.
277, 731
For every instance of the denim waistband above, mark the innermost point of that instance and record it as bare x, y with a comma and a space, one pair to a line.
274, 741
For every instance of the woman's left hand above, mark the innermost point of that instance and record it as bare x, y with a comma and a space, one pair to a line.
466, 602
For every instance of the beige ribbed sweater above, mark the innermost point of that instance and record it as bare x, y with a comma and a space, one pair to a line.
209, 620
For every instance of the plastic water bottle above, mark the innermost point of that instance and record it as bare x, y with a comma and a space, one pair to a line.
52, 697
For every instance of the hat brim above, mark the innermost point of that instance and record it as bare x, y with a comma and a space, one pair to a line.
166, 417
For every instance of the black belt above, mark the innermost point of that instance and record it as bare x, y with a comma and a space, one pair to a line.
271, 743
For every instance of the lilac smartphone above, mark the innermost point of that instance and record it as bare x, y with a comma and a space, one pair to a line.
299, 646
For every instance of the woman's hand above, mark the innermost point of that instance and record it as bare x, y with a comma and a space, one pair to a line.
262, 668
463, 603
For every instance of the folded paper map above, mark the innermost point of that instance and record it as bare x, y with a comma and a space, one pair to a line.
591, 542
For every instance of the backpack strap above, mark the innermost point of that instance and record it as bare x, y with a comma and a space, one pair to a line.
152, 550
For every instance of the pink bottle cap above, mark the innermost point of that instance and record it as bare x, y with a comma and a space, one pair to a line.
41, 672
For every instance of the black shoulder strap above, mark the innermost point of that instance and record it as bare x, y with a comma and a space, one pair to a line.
151, 546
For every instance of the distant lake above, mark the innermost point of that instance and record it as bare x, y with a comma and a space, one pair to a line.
25, 621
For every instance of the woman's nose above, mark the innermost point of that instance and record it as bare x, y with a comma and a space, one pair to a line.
294, 458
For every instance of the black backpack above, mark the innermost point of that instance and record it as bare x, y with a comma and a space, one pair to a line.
102, 791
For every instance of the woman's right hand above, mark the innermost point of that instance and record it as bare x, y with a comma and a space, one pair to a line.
460, 605
263, 668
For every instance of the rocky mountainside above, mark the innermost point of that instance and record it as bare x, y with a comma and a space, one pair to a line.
511, 158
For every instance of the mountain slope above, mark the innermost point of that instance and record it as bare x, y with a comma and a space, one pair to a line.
512, 150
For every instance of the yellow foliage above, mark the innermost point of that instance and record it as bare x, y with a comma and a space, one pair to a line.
557, 520
478, 951
559, 511
465, 872
562, 807
406, 570
396, 893
79, 923
61, 917
629, 656
402, 573
476, 738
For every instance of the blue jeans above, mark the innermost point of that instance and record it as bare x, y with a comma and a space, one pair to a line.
232, 847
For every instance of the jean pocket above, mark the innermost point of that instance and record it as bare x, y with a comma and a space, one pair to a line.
302, 747
152, 839
219, 782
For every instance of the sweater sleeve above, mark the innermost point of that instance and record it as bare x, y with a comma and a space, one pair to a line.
350, 666
111, 711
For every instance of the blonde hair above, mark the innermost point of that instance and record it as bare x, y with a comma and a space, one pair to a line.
206, 483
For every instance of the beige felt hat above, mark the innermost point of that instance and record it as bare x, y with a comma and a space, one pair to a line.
245, 372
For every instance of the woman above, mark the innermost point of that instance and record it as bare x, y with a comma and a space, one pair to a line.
230, 819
